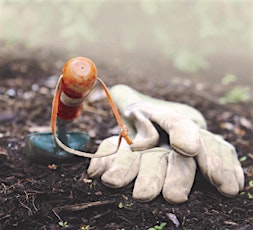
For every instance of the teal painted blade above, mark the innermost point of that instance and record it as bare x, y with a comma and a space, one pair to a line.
41, 147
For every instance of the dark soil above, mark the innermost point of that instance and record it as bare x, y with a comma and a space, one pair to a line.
34, 196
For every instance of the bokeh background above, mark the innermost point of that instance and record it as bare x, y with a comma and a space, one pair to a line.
146, 39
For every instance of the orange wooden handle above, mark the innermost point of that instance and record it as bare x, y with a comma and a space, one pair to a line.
69, 83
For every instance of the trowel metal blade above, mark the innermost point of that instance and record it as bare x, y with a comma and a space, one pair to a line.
41, 147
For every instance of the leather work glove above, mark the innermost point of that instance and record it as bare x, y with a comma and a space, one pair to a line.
169, 141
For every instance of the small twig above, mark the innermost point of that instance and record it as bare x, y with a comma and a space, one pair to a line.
33, 202
33, 199
55, 213
82, 206
100, 215
124, 219
25, 206
4, 217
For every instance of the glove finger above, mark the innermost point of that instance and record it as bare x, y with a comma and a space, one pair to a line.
210, 165
99, 165
219, 163
230, 185
184, 136
150, 179
183, 132
233, 176
240, 177
179, 178
123, 169
146, 135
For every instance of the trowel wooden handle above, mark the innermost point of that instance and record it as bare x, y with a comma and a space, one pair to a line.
78, 78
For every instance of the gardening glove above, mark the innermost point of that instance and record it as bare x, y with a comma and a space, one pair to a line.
171, 167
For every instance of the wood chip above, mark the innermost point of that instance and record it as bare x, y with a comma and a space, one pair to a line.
246, 123
87, 181
173, 218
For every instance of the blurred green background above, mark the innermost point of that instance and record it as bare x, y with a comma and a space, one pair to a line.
203, 39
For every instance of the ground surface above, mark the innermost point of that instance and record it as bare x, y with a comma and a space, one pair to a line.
36, 196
